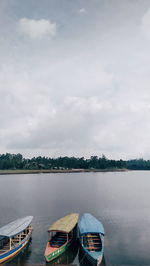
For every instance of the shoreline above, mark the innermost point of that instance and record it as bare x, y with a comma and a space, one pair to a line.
44, 171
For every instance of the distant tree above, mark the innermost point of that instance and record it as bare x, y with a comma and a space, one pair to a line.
16, 161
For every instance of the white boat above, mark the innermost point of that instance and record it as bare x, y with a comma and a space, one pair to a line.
14, 237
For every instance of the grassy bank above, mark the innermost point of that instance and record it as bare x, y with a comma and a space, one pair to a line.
11, 172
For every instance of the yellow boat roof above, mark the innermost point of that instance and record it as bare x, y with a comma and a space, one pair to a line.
65, 224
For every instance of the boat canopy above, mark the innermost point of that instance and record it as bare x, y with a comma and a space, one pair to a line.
65, 224
15, 227
89, 224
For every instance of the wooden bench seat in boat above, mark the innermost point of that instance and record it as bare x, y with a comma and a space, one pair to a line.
91, 236
94, 245
57, 241
92, 248
57, 245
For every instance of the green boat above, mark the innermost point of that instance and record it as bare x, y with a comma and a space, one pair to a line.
61, 234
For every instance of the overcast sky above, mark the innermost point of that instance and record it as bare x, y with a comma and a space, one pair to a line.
75, 78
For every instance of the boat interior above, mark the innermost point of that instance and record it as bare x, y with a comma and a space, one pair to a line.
4, 244
7, 243
59, 239
92, 242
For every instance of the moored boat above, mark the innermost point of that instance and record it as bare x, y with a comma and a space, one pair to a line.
61, 234
14, 237
91, 236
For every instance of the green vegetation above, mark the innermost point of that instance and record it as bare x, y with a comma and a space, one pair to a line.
17, 162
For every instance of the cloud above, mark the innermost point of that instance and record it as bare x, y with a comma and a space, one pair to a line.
36, 29
145, 26
58, 126
82, 10
84, 93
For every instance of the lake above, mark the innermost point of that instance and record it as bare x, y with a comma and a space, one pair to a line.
121, 200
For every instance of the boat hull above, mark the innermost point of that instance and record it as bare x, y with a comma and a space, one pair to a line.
57, 252
65, 230
94, 261
8, 255
91, 236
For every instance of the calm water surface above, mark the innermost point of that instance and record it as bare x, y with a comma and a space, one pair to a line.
120, 200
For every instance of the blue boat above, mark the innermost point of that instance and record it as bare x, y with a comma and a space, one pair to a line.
14, 237
91, 236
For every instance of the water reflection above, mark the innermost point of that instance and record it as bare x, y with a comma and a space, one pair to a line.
67, 257
128, 242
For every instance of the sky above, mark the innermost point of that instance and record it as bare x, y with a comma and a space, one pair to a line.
75, 78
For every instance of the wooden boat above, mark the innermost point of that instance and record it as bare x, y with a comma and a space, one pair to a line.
91, 236
68, 256
61, 234
14, 237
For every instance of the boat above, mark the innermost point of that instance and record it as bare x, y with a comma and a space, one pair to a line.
61, 234
14, 237
91, 237
68, 256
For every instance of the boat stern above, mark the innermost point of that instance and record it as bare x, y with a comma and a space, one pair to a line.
99, 260
52, 253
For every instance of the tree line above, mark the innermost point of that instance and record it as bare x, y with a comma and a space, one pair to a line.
16, 161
